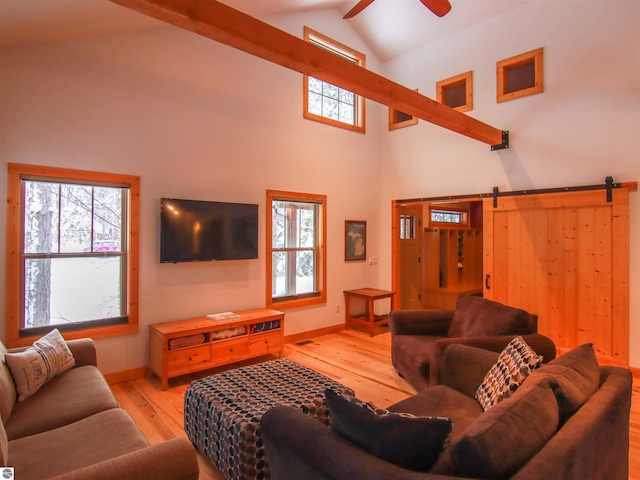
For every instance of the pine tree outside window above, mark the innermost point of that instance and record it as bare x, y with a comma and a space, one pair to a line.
75, 265
296, 242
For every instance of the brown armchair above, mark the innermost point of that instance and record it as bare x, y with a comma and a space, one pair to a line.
419, 337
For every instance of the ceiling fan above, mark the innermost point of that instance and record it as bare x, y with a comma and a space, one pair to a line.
439, 7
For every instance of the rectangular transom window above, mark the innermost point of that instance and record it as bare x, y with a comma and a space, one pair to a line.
73, 262
447, 216
329, 103
295, 249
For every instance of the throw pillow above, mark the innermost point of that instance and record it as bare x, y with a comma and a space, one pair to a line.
36, 365
403, 439
7, 387
573, 377
502, 440
514, 364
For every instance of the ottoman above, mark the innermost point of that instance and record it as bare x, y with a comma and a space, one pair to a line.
222, 412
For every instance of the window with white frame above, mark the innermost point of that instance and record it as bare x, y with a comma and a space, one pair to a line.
296, 242
329, 103
75, 265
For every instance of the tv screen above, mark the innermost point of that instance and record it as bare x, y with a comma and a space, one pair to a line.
194, 230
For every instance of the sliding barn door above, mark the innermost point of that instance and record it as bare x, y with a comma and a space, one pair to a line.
564, 257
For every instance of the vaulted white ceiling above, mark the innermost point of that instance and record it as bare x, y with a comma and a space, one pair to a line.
389, 27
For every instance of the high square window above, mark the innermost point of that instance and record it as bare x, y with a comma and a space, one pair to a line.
456, 92
520, 76
398, 119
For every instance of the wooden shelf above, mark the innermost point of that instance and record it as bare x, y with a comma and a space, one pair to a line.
454, 265
168, 362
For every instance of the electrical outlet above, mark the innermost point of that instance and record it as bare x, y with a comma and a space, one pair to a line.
337, 308
373, 260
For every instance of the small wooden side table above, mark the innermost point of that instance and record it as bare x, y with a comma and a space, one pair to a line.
370, 295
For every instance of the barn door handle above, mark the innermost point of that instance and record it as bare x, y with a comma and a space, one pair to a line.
487, 282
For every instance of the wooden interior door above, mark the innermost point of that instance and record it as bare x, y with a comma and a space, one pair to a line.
432, 260
565, 257
410, 258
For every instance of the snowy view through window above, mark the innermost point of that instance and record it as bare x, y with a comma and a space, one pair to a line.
294, 226
73, 258
332, 102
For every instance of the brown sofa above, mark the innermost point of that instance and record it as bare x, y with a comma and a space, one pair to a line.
72, 428
568, 420
420, 337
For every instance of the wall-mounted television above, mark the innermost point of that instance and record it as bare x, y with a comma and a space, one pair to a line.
195, 230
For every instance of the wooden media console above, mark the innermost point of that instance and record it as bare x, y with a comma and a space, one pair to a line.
184, 346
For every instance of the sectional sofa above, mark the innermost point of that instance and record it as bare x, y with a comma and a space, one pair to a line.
569, 419
69, 426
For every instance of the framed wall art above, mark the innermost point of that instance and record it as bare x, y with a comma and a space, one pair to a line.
355, 241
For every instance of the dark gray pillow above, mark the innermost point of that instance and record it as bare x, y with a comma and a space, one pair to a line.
403, 439
504, 438
573, 377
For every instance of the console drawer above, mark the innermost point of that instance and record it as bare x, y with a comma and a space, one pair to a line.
187, 359
228, 350
265, 342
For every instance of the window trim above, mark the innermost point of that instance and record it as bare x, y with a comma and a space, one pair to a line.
465, 79
14, 232
535, 58
321, 273
395, 121
360, 125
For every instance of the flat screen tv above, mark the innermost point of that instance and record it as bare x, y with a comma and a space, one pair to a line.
194, 231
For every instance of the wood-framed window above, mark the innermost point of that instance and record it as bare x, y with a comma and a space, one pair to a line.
456, 92
398, 119
72, 253
296, 249
408, 226
327, 103
520, 76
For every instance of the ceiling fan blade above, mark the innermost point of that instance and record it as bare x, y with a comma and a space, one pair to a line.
361, 5
439, 7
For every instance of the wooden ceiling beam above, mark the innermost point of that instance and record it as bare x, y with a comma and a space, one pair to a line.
224, 24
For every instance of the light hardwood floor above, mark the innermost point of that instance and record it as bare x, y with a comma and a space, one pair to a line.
350, 357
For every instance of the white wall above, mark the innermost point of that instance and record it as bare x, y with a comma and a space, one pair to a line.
199, 120
195, 119
583, 128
